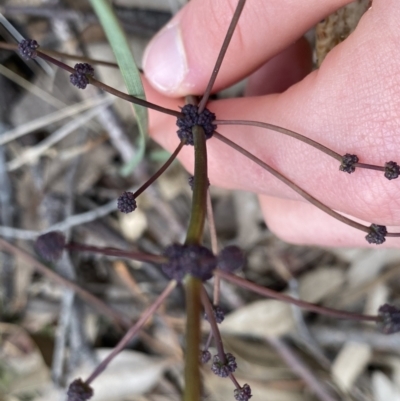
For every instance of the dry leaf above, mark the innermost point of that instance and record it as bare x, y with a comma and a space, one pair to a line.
383, 388
320, 283
128, 374
350, 363
261, 318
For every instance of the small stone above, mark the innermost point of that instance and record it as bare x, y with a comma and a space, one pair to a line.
231, 258
27, 49
191, 117
223, 369
243, 393
126, 203
80, 77
376, 235
50, 245
79, 390
348, 162
392, 170
390, 319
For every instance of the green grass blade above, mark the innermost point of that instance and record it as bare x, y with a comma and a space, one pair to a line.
129, 71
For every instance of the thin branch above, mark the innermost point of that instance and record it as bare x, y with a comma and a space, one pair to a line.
51, 118
52, 275
33, 153
221, 55
267, 292
292, 185
139, 256
214, 244
155, 176
54, 53
213, 324
300, 368
109, 89
133, 330
284, 131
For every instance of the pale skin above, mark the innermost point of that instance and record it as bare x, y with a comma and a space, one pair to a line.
351, 104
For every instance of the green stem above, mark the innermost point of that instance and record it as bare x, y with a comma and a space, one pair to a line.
200, 187
192, 389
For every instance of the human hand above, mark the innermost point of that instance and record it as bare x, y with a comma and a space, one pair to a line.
351, 105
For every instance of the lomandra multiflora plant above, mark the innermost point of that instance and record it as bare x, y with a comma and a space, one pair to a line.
190, 264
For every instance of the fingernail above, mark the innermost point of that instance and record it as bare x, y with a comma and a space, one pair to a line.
164, 61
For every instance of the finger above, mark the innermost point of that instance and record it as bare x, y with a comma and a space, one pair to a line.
180, 59
350, 105
282, 71
303, 224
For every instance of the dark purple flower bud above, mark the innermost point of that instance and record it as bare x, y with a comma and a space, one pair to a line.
243, 393
231, 258
223, 369
27, 49
219, 314
376, 235
389, 322
392, 170
126, 202
196, 260
191, 117
174, 268
79, 390
50, 245
80, 77
348, 162
205, 356
200, 261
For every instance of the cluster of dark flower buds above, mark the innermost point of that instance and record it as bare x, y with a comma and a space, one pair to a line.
192, 117
80, 78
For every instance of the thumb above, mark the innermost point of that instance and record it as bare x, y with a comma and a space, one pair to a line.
180, 59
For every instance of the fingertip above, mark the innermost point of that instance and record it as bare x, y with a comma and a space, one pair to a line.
164, 61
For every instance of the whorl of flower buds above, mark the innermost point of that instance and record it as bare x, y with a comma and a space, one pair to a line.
50, 246
192, 117
231, 258
223, 369
389, 322
376, 235
80, 77
348, 162
392, 170
196, 260
79, 390
219, 314
243, 393
27, 49
126, 203
205, 356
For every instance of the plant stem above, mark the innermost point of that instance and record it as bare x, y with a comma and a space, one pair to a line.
98, 304
213, 324
133, 331
160, 171
139, 256
109, 89
221, 55
284, 131
200, 187
267, 292
292, 185
192, 389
